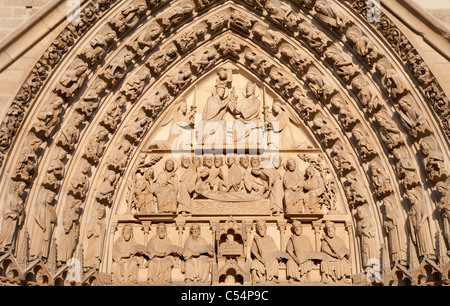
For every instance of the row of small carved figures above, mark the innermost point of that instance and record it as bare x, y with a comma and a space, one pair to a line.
245, 175
265, 256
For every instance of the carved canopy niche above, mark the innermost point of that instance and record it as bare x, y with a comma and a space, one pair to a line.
190, 141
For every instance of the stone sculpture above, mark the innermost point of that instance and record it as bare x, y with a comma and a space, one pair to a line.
125, 252
264, 266
298, 267
12, 215
336, 267
197, 255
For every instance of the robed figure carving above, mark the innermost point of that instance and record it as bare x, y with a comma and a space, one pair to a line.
95, 234
213, 116
180, 131
45, 218
298, 267
160, 251
293, 181
247, 115
281, 136
336, 267
12, 214
189, 184
264, 266
166, 188
126, 253
197, 254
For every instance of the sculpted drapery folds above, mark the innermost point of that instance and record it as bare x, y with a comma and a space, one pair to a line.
12, 215
45, 220
189, 183
197, 254
71, 225
166, 188
293, 181
95, 235
28, 158
419, 221
264, 266
392, 224
444, 206
213, 116
313, 189
160, 251
336, 267
125, 252
298, 244
366, 231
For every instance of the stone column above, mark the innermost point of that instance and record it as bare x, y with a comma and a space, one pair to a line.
180, 229
349, 229
317, 226
146, 227
282, 228
248, 231
112, 231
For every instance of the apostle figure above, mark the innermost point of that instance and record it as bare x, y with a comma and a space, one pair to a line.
205, 171
252, 181
125, 262
71, 227
293, 182
189, 183
213, 117
420, 224
12, 214
366, 230
234, 175
143, 192
444, 206
247, 114
166, 188
313, 188
298, 269
330, 15
337, 266
393, 226
45, 217
95, 235
218, 174
274, 183
180, 131
197, 254
281, 137
159, 251
263, 266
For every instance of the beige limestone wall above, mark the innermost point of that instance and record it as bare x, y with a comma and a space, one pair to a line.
438, 64
14, 13
25, 44
438, 8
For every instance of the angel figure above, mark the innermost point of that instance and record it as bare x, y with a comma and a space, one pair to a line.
282, 136
180, 131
